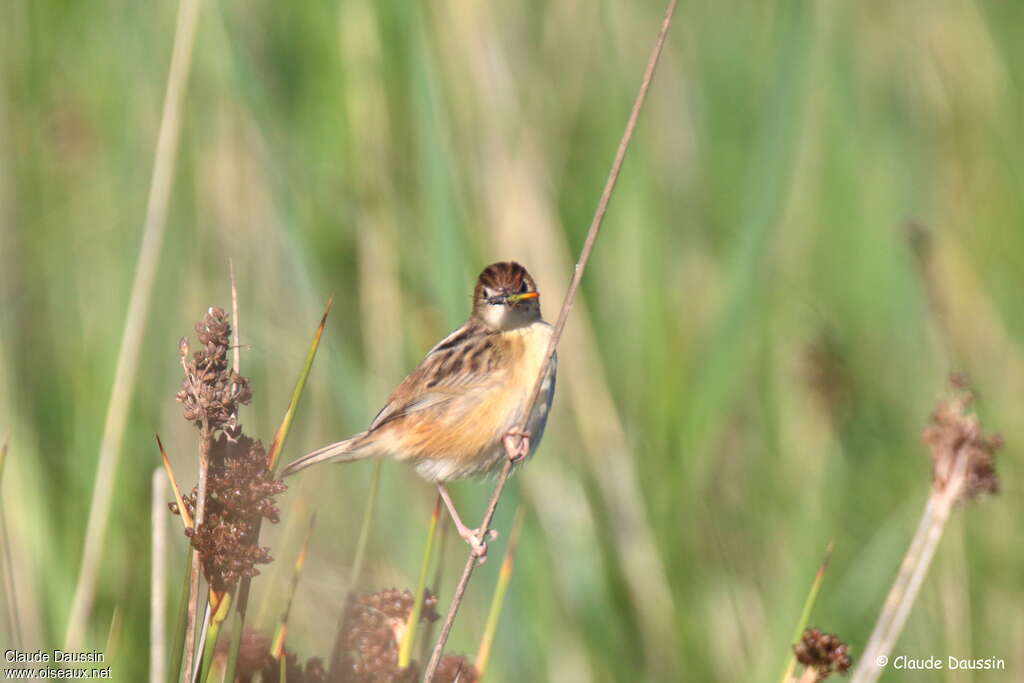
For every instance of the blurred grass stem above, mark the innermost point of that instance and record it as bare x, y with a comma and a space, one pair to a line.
177, 647
158, 579
235, 325
805, 613
483, 653
563, 315
409, 637
135, 322
281, 634
14, 624
912, 571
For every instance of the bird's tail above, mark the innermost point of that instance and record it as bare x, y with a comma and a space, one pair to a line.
343, 451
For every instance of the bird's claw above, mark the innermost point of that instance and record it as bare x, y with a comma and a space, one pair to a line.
517, 445
477, 542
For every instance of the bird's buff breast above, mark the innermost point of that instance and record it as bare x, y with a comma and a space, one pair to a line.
468, 440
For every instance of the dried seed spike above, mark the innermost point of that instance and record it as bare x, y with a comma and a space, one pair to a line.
182, 509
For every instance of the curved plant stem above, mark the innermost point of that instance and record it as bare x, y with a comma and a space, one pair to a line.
563, 315
135, 322
912, 572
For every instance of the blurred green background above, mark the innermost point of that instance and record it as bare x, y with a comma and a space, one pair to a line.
756, 351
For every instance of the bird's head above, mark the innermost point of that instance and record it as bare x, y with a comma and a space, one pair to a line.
506, 297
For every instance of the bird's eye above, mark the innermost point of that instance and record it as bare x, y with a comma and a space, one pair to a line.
524, 288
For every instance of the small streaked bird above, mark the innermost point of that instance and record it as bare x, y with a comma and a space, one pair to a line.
455, 415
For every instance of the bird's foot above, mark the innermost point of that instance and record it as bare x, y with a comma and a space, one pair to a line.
517, 445
477, 541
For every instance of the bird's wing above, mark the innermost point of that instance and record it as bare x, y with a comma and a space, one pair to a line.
449, 371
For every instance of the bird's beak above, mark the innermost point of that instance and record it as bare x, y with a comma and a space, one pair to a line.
516, 298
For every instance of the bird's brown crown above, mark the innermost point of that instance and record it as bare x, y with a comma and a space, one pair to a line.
504, 277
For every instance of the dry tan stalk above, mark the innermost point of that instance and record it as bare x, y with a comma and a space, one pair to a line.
912, 572
135, 322
570, 296
237, 336
6, 564
205, 441
158, 580
523, 223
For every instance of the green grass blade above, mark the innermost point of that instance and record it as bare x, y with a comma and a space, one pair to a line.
177, 648
405, 651
220, 613
805, 614
277, 644
236, 633
7, 569
483, 654
282, 432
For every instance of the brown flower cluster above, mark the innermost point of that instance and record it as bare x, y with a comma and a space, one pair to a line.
954, 433
240, 489
823, 652
239, 493
372, 633
211, 391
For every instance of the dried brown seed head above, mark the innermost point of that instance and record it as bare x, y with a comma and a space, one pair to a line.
955, 434
824, 652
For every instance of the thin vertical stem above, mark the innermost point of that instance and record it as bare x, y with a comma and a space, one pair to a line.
135, 322
483, 653
805, 613
235, 325
178, 646
217, 608
281, 634
191, 651
158, 580
563, 315
913, 569
14, 624
409, 637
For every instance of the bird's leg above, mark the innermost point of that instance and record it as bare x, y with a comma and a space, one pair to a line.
517, 445
474, 537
